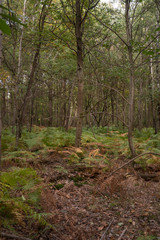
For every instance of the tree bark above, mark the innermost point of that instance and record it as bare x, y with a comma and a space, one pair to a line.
24, 104
0, 95
132, 78
80, 74
112, 106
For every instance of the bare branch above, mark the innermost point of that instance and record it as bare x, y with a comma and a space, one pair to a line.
146, 46
122, 234
108, 28
6, 235
107, 230
66, 43
132, 160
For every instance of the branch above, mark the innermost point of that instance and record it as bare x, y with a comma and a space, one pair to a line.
132, 161
114, 89
97, 44
110, 114
109, 28
107, 230
111, 88
122, 233
146, 46
87, 10
6, 235
64, 10
66, 43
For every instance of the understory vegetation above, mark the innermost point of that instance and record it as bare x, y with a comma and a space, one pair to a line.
80, 119
23, 180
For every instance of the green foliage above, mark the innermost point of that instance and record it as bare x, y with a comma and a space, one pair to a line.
147, 238
33, 139
20, 178
4, 27
74, 158
59, 186
18, 156
8, 140
8, 15
56, 137
144, 134
61, 169
20, 194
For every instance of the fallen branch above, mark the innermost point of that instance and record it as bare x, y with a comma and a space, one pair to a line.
132, 161
122, 233
106, 230
6, 235
151, 176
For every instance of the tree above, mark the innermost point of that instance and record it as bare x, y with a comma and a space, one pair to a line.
80, 10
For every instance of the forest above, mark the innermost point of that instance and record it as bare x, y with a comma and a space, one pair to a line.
80, 120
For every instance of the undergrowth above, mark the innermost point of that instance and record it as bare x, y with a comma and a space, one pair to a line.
20, 190
111, 142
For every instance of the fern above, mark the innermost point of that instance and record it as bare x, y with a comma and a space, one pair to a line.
13, 210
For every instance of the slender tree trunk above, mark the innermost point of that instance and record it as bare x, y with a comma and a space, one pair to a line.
0, 141
152, 96
0, 93
23, 106
157, 68
32, 110
140, 107
112, 106
68, 117
50, 102
3, 104
132, 78
80, 74
123, 106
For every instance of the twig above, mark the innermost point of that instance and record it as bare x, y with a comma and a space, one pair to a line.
106, 230
6, 235
122, 233
132, 161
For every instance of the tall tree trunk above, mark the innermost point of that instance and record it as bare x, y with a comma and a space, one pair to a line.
157, 66
123, 106
69, 112
153, 104
0, 98
132, 77
112, 106
24, 104
50, 103
80, 74
17, 93
3, 104
140, 107
32, 110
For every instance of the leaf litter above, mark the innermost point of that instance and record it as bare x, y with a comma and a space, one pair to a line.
83, 203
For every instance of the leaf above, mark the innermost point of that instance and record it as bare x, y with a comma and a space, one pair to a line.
101, 228
12, 18
94, 153
4, 27
4, 7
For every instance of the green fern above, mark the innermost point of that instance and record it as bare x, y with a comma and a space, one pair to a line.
14, 209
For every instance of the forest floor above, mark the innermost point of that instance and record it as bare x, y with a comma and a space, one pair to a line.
85, 203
